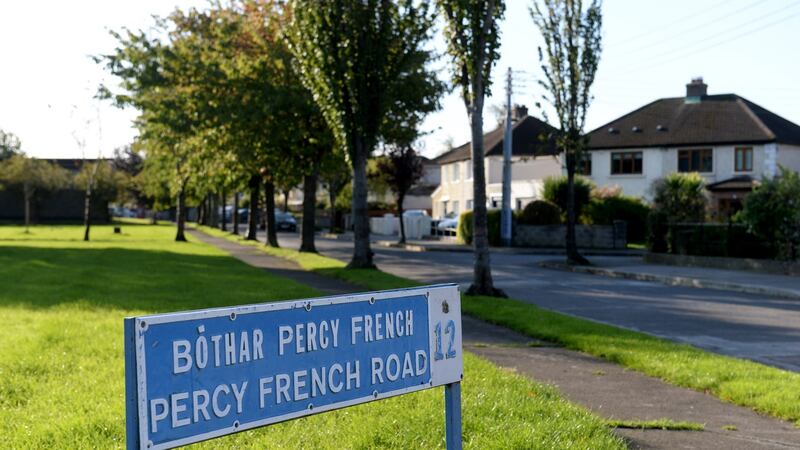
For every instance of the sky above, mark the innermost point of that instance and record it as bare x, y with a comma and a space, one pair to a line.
651, 49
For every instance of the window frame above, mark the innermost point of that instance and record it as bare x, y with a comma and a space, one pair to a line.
584, 165
746, 166
690, 160
619, 169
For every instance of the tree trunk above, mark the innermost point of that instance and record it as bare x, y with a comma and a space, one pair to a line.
235, 213
222, 226
269, 213
252, 220
201, 213
400, 198
573, 256
332, 198
153, 219
180, 236
87, 212
27, 194
309, 213
286, 199
482, 283
362, 254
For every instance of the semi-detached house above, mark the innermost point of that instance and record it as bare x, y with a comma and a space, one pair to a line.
729, 140
534, 158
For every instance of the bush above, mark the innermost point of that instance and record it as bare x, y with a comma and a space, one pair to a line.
540, 212
605, 210
464, 230
556, 189
772, 212
680, 197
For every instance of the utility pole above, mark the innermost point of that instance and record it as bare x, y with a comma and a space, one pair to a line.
505, 217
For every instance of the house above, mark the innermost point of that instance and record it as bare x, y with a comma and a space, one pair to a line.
729, 140
419, 196
534, 158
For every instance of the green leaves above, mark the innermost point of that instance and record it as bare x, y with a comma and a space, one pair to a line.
472, 30
366, 65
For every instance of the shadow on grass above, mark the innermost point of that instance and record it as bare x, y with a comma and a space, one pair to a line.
128, 279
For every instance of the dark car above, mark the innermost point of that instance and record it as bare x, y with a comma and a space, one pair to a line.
285, 221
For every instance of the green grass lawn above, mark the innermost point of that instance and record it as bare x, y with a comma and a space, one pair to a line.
766, 389
62, 302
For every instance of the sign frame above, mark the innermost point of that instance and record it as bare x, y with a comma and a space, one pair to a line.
443, 300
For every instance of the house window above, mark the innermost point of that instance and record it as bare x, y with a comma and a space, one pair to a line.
455, 207
470, 205
584, 166
456, 171
743, 159
626, 163
698, 160
468, 168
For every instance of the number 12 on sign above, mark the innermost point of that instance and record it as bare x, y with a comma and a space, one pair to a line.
450, 331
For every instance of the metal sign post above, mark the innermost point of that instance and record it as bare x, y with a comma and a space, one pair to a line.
198, 375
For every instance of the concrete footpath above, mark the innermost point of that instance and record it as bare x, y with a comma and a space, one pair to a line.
782, 286
606, 389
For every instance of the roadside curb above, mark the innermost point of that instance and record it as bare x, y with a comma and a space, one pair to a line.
508, 250
676, 281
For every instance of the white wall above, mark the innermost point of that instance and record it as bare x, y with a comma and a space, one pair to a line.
789, 156
527, 176
659, 162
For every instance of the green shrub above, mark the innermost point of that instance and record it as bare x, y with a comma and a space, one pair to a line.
540, 212
604, 211
680, 197
556, 189
772, 212
464, 230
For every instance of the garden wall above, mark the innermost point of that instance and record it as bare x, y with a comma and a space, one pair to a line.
588, 236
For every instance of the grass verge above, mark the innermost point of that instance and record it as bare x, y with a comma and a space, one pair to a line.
658, 424
765, 389
62, 302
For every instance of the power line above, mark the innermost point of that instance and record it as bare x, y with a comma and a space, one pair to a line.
717, 44
634, 38
684, 32
733, 29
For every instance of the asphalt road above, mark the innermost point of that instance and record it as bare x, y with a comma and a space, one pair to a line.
760, 328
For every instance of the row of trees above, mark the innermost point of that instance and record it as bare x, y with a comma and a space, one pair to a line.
266, 95
258, 94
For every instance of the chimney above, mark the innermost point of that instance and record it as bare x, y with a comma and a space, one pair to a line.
519, 112
696, 90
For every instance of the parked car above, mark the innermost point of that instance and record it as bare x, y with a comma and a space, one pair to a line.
285, 221
415, 213
448, 224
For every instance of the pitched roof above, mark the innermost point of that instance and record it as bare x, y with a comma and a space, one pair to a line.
715, 119
530, 138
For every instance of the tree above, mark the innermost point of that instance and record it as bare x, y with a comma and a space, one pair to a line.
102, 181
157, 79
335, 176
556, 190
772, 212
569, 62
473, 42
680, 197
401, 168
10, 145
31, 176
358, 59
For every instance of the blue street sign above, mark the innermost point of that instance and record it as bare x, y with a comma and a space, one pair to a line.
197, 375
